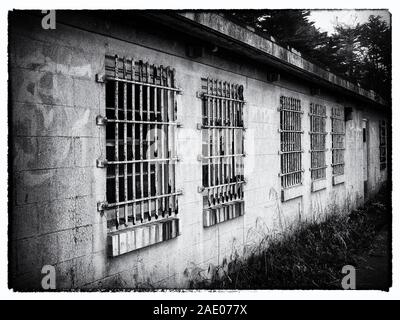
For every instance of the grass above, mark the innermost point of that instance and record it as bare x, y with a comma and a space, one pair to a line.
310, 256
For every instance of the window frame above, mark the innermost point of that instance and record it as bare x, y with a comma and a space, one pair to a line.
317, 141
223, 162
291, 151
148, 140
338, 145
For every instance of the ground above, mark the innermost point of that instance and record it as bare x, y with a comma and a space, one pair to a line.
373, 272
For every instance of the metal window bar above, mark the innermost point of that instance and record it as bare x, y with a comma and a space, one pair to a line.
222, 155
382, 144
140, 142
290, 138
338, 140
317, 141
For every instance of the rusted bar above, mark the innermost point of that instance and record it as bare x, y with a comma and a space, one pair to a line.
156, 156
116, 145
162, 153
141, 139
133, 143
125, 144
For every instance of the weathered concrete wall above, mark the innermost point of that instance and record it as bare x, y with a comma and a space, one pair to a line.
56, 185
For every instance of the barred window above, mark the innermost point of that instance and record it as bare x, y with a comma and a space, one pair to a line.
140, 146
338, 140
222, 153
383, 144
317, 141
290, 132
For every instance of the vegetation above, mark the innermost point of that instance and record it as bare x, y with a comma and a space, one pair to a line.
360, 53
310, 256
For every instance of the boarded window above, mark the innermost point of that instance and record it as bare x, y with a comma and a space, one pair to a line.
338, 140
318, 141
383, 144
140, 143
290, 135
222, 153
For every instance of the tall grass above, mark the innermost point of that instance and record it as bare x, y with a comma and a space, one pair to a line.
310, 256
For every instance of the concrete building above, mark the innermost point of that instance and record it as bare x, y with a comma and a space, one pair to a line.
223, 136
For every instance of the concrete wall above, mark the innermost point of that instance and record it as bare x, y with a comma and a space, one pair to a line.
54, 101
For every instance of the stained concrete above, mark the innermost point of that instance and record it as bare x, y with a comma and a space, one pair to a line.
56, 184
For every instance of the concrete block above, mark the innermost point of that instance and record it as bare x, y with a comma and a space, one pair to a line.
30, 119
89, 269
42, 153
86, 212
41, 87
86, 151
56, 215
33, 186
292, 193
83, 240
27, 257
48, 248
72, 182
35, 55
318, 185
338, 179
87, 93
24, 221
99, 237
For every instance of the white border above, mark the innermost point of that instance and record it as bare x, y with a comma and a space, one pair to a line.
5, 293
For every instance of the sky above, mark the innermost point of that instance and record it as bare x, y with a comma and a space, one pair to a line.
327, 19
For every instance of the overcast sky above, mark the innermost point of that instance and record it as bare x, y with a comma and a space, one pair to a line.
327, 19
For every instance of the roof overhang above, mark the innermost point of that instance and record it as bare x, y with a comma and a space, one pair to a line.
222, 32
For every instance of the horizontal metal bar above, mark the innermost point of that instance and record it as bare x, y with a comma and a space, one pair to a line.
141, 161
295, 151
319, 150
228, 203
290, 131
292, 172
338, 133
222, 156
116, 204
320, 133
317, 115
318, 168
338, 148
224, 185
143, 84
288, 110
337, 164
221, 127
207, 95
145, 122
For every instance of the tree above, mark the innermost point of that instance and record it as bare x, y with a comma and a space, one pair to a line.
375, 43
360, 53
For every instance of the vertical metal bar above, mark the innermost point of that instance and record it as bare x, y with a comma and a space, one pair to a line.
148, 156
116, 135
210, 142
162, 153
170, 117
133, 142
155, 75
173, 141
125, 144
141, 139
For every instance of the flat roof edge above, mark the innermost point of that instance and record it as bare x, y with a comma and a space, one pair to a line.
227, 28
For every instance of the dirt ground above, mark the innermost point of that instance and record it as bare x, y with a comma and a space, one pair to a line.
373, 270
